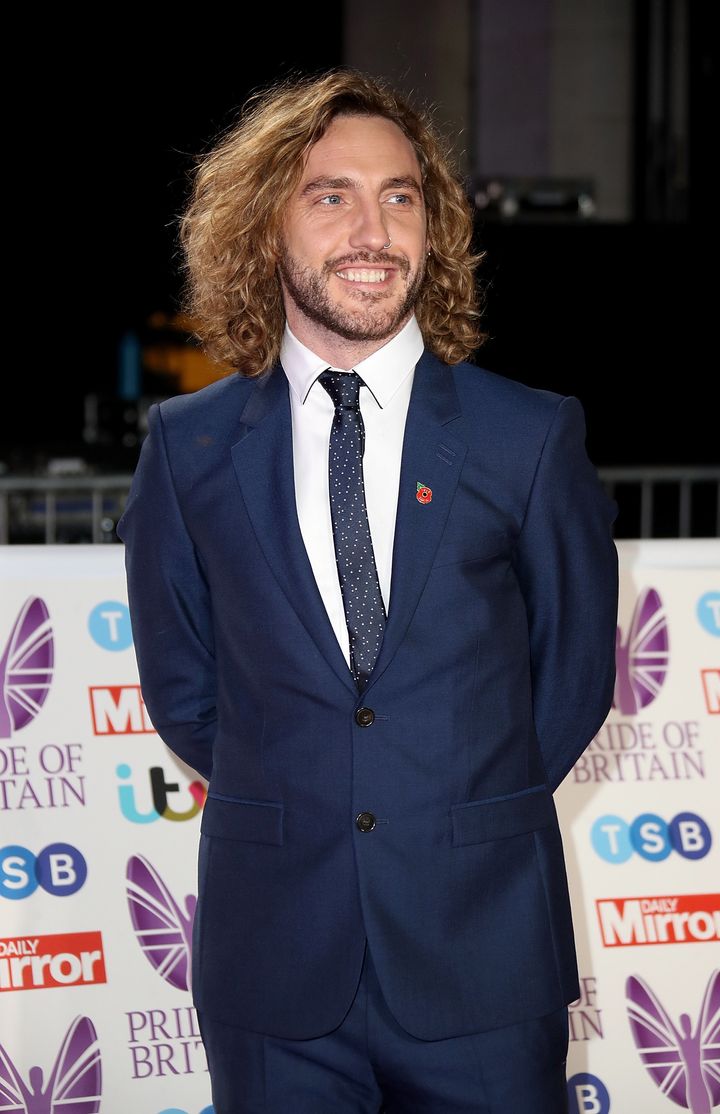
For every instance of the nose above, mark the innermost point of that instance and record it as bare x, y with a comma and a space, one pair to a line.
369, 231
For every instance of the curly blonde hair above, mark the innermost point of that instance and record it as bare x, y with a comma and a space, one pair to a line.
231, 230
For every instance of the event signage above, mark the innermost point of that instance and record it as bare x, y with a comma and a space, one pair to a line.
101, 826
73, 1083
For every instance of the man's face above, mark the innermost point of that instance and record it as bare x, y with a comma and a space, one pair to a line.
360, 188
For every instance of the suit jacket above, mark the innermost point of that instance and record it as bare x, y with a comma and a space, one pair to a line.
496, 670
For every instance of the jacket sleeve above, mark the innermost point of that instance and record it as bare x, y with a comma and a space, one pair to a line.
169, 608
566, 563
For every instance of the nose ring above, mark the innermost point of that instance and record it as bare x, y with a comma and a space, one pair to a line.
387, 245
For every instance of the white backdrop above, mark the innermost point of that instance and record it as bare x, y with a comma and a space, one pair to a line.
99, 826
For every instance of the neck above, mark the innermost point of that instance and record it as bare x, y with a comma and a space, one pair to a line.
338, 351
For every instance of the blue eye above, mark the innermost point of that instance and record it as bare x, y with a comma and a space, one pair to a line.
331, 199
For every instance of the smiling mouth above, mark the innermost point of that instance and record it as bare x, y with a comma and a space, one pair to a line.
362, 275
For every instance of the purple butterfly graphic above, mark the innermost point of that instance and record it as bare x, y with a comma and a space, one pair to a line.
26, 667
684, 1064
75, 1081
642, 660
164, 932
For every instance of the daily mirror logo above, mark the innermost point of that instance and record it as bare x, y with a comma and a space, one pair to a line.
711, 690
682, 1060
163, 929
73, 1085
119, 710
57, 960
642, 657
670, 919
26, 667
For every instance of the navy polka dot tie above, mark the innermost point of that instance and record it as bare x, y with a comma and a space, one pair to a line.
359, 584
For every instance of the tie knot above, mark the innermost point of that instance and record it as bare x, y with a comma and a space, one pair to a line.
343, 388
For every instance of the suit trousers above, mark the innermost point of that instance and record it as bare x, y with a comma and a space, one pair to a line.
370, 1065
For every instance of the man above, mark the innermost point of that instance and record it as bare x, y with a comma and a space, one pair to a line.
373, 592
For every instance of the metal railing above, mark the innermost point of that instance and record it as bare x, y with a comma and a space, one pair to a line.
671, 502
61, 509
653, 502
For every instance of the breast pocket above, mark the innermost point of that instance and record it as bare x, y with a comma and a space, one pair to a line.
461, 550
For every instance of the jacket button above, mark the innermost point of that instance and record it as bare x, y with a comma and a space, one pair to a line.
364, 717
365, 821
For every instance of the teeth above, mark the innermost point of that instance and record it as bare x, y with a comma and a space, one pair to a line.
363, 276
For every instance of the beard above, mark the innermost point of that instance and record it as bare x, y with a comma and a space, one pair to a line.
372, 318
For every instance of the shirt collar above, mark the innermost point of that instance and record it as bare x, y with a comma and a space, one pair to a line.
383, 372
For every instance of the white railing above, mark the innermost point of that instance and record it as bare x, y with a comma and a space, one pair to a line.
654, 502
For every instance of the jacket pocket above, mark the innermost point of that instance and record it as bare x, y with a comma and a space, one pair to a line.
502, 817
235, 818
461, 551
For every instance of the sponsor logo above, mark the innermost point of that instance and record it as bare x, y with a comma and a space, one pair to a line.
676, 919
584, 1016
163, 929
26, 667
60, 869
616, 841
109, 625
643, 751
165, 1042
587, 1094
74, 1083
48, 779
641, 659
682, 1060
119, 710
177, 1110
708, 613
159, 790
711, 689
61, 959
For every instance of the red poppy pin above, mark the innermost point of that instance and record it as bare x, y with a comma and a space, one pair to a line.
424, 494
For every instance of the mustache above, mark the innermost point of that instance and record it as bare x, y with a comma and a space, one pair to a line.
366, 258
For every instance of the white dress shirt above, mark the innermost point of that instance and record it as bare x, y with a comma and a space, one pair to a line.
388, 374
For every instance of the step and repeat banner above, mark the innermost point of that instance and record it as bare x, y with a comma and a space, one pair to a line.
99, 826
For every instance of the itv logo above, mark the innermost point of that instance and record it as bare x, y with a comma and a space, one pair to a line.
160, 791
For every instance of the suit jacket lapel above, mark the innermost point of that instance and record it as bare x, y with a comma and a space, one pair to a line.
432, 456
263, 462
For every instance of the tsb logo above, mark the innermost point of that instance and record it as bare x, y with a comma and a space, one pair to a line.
60, 869
587, 1094
109, 625
651, 837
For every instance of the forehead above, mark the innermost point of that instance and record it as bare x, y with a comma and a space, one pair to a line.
362, 147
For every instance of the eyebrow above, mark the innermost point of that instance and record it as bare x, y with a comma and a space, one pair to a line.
318, 185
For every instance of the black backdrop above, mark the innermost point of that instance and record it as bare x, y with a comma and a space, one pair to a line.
615, 314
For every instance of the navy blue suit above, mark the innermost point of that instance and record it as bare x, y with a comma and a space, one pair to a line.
496, 670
